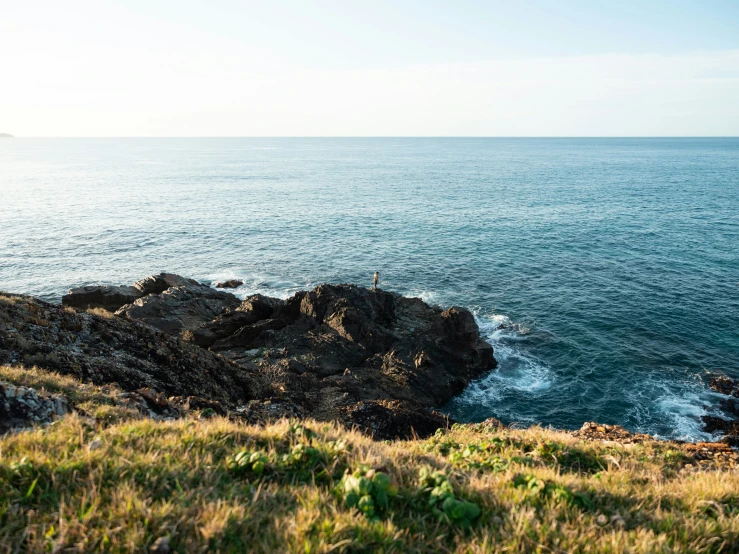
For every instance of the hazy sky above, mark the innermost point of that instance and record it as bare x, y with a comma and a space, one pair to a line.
316, 68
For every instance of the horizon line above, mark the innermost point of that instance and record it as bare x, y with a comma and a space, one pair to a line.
375, 136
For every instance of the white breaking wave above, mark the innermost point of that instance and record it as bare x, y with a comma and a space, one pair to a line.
517, 370
679, 407
268, 285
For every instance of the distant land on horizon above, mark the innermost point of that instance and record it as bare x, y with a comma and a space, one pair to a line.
6, 135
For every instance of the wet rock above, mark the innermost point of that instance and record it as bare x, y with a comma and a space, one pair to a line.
731, 440
107, 297
730, 406
713, 424
22, 407
230, 284
111, 297
725, 385
180, 308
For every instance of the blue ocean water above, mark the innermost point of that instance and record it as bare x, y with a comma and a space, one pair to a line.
604, 271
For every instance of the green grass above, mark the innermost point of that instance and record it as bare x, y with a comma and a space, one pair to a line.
211, 485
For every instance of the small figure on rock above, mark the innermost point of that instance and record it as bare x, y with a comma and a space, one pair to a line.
375, 279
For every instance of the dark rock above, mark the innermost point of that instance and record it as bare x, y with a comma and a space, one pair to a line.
725, 385
230, 284
713, 424
260, 412
200, 403
730, 406
339, 347
364, 357
101, 296
150, 403
103, 350
731, 440
395, 419
232, 325
157, 284
180, 308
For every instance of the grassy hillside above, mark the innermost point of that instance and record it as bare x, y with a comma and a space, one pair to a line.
114, 481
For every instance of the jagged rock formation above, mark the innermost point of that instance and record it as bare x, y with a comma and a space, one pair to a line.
366, 357
339, 352
180, 308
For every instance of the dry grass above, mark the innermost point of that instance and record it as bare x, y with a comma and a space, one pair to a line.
78, 486
102, 312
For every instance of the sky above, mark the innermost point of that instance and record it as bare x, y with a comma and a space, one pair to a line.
369, 68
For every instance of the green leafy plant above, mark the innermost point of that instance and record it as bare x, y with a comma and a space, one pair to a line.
246, 462
442, 500
539, 488
475, 456
367, 490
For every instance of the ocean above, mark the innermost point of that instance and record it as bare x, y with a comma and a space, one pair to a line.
605, 272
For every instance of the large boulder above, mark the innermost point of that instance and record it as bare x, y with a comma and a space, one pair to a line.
180, 308
108, 297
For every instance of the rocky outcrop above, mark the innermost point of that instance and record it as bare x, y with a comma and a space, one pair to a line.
230, 284
729, 406
108, 297
725, 385
102, 350
112, 297
22, 407
180, 308
364, 357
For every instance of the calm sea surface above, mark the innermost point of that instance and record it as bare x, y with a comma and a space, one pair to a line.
604, 271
